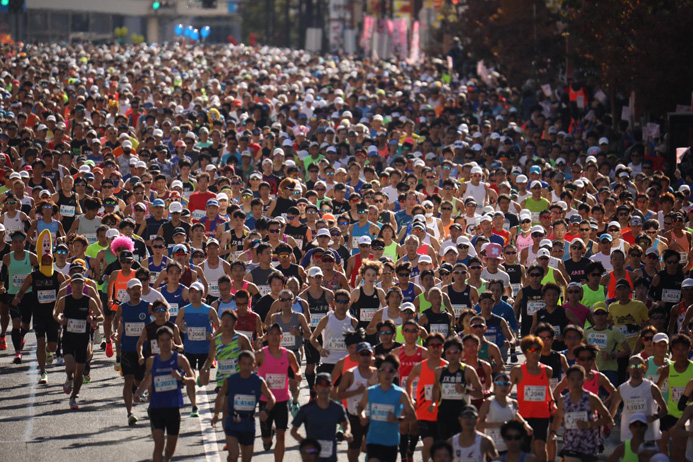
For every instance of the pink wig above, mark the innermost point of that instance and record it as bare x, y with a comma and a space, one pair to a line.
122, 241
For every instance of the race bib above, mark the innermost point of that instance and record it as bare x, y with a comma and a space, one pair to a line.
173, 309
571, 419
449, 391
684, 257
428, 392
154, 346
153, 276
457, 309
276, 381
598, 338
91, 237
299, 242
77, 326
553, 381
535, 217
198, 214
121, 295
676, 393
671, 295
18, 280
535, 305
516, 288
67, 210
557, 329
326, 448
379, 412
165, 383
133, 329
366, 314
636, 405
214, 289
535, 393
336, 344
227, 366
46, 296
626, 332
247, 333
439, 329
288, 341
244, 403
264, 290
197, 334
355, 242
315, 319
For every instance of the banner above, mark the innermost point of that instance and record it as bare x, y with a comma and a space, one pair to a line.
399, 37
367, 36
415, 51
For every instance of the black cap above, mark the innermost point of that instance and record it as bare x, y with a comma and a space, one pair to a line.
126, 255
179, 230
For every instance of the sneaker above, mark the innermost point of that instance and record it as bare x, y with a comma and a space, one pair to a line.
103, 345
214, 363
17, 358
86, 378
3, 343
44, 378
195, 412
267, 446
73, 403
132, 420
109, 349
67, 386
59, 361
49, 357
294, 409
116, 366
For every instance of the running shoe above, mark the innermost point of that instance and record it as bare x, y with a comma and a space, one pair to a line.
195, 412
294, 409
59, 361
3, 343
86, 378
103, 345
73, 402
17, 358
67, 386
116, 366
132, 420
49, 357
109, 349
44, 378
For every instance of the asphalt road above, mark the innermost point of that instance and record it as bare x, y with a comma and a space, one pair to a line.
36, 423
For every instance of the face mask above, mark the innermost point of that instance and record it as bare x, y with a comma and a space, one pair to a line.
429, 215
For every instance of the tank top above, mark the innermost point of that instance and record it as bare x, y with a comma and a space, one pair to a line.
583, 441
18, 271
290, 341
166, 390
12, 225
174, 299
134, 318
357, 233
353, 401
498, 413
154, 269
652, 374
576, 270
451, 401
515, 274
590, 297
46, 289
409, 293
386, 316
611, 288
478, 192
638, 399
120, 286
553, 360
355, 270
242, 397
628, 454
198, 325
87, 228
558, 320
536, 207
227, 357
365, 308
592, 385
670, 288
212, 275
438, 322
424, 394
391, 251
186, 277
407, 363
274, 371
246, 324
67, 206
152, 345
460, 300
467, 454
549, 276
318, 308
380, 404
485, 382
532, 301
677, 384
260, 279
534, 394
332, 283
333, 337
76, 312
292, 271
298, 233
522, 241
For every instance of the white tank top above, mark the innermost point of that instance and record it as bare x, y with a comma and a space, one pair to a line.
468, 454
353, 401
638, 399
12, 225
433, 226
212, 275
385, 317
333, 337
498, 413
478, 192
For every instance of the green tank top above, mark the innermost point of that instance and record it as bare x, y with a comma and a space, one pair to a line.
652, 375
590, 297
227, 357
677, 384
536, 207
399, 337
483, 351
628, 454
548, 277
391, 251
110, 258
18, 270
425, 304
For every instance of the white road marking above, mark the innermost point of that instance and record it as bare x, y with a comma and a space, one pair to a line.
33, 380
209, 439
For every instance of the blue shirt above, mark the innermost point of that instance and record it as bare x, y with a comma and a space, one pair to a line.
134, 319
380, 403
242, 398
321, 424
166, 390
198, 326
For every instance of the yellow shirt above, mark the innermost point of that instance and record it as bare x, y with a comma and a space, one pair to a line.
628, 318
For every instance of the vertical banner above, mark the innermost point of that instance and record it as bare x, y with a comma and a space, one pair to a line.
367, 37
414, 52
399, 39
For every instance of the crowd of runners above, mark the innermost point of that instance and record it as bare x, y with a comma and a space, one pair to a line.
446, 263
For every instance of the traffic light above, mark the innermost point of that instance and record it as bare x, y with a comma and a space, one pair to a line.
4, 2
156, 5
211, 4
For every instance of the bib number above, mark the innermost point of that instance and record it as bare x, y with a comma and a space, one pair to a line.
67, 210
214, 289
77, 326
276, 381
46, 296
264, 290
326, 448
154, 345
571, 419
165, 383
198, 214
91, 238
197, 334
598, 339
336, 344
449, 391
379, 412
227, 367
367, 314
457, 309
671, 295
173, 309
288, 341
133, 329
676, 393
18, 280
534, 306
635, 405
121, 295
315, 319
535, 393
244, 403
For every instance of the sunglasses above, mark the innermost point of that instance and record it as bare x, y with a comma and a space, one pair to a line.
475, 267
365, 353
436, 346
342, 301
502, 383
285, 299
535, 275
61, 252
532, 350
513, 437
478, 326
403, 275
410, 331
160, 310
585, 358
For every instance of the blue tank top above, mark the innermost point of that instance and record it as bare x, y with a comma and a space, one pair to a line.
380, 402
226, 306
154, 270
297, 307
198, 326
359, 231
408, 294
242, 398
174, 299
166, 390
52, 227
134, 318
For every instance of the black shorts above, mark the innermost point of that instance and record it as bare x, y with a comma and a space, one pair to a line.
667, 422
540, 426
105, 303
76, 345
579, 455
22, 311
46, 326
312, 355
448, 422
326, 368
196, 360
129, 361
165, 418
428, 429
244, 438
382, 453
279, 415
357, 430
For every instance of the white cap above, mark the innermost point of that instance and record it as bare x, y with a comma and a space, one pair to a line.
126, 144
323, 232
463, 240
521, 179
84, 169
112, 233
364, 240
660, 337
543, 253
687, 283
425, 259
545, 243
534, 184
314, 271
197, 285
419, 163
476, 170
537, 229
176, 184
603, 140
175, 207
134, 282
525, 214
615, 224
652, 251
222, 197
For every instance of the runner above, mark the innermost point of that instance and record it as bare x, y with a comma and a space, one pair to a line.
334, 325
224, 348
471, 444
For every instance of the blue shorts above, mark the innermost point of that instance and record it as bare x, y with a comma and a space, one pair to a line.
244, 438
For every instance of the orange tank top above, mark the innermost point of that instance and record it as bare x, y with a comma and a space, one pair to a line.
611, 292
120, 287
424, 392
534, 394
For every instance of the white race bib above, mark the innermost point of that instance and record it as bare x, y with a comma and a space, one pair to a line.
165, 383
636, 405
18, 280
326, 448
449, 391
535, 305
457, 309
133, 329
676, 393
315, 319
77, 326
264, 290
626, 333
67, 210
227, 366
299, 242
288, 340
379, 412
671, 295
197, 334
247, 333
154, 345
173, 309
557, 329
244, 403
46, 296
367, 314
214, 289
516, 288
336, 344
121, 295
276, 381
428, 392
91, 238
570, 419
440, 328
535, 393
598, 338
198, 214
